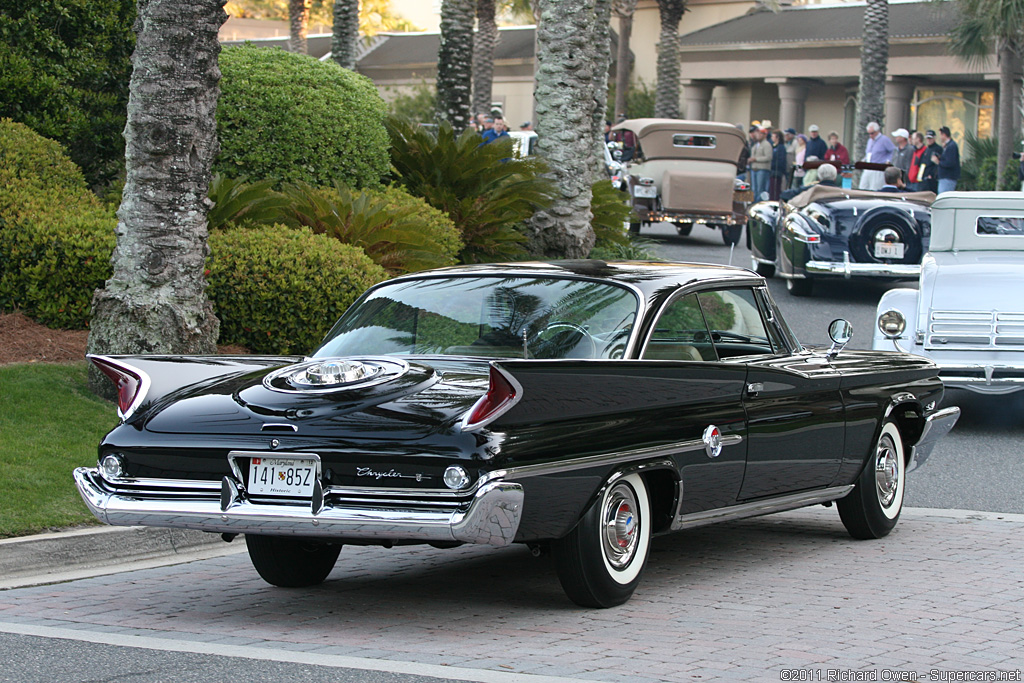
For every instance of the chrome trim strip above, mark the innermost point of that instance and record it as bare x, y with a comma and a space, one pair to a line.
144, 381
183, 485
936, 426
757, 259
847, 269
607, 459
988, 381
759, 507
492, 516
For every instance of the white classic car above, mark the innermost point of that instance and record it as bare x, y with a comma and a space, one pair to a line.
968, 313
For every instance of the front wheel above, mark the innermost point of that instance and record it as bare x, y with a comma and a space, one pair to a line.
765, 269
873, 507
731, 234
800, 287
291, 562
600, 561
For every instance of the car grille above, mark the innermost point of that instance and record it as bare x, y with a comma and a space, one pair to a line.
975, 330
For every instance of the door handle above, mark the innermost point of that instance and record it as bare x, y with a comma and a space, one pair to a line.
754, 388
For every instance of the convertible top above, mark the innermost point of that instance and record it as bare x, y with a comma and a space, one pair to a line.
825, 193
683, 139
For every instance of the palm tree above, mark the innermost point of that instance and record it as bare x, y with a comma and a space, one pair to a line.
298, 23
484, 43
602, 51
624, 10
345, 33
155, 300
454, 62
984, 25
667, 103
874, 62
569, 74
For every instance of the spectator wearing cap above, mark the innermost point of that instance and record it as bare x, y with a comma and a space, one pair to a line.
931, 168
816, 147
528, 125
760, 164
789, 135
879, 151
904, 153
948, 161
837, 154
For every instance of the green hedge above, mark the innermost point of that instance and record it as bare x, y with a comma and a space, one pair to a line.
279, 290
289, 117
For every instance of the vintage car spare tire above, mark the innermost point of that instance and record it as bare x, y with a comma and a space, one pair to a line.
890, 226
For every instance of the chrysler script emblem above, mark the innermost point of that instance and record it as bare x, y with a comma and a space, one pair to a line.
386, 474
713, 441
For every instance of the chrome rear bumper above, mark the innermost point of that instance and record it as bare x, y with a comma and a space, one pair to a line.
847, 268
491, 517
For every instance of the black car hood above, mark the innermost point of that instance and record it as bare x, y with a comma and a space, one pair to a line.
432, 395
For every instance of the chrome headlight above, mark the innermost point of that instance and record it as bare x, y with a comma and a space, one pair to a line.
892, 323
112, 467
456, 478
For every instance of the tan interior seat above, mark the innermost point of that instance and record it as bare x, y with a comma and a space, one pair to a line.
656, 351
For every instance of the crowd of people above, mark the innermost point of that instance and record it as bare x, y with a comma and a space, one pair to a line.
493, 126
774, 160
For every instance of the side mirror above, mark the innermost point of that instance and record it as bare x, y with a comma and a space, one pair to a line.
839, 331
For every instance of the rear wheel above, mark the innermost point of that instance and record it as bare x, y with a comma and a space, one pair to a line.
872, 509
291, 562
800, 287
684, 229
765, 269
731, 234
600, 562
634, 227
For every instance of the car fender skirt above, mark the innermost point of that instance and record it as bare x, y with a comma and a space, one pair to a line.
491, 517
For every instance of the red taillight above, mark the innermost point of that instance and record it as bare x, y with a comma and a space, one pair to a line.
501, 395
131, 383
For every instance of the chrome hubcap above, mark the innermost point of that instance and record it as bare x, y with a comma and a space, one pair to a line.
887, 472
621, 526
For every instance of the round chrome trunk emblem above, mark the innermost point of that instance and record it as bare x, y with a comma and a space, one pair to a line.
334, 374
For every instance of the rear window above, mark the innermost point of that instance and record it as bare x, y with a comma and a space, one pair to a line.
690, 140
995, 225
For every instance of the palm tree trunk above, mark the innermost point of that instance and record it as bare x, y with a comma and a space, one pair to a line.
484, 43
602, 51
1007, 99
624, 9
564, 97
874, 62
454, 62
155, 300
298, 25
666, 103
345, 34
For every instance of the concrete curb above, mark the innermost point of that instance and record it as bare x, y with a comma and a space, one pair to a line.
69, 555
61, 556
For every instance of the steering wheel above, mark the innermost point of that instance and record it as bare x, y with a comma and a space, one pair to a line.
578, 329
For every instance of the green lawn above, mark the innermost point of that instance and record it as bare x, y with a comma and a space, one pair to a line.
49, 424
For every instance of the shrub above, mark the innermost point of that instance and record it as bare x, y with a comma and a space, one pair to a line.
239, 202
56, 235
980, 158
64, 71
288, 117
418, 104
278, 289
480, 187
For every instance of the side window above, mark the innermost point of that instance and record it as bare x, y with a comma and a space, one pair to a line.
680, 333
735, 322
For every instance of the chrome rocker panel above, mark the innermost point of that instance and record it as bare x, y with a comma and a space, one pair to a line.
848, 268
492, 517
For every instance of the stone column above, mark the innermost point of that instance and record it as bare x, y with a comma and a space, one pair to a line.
698, 99
792, 98
898, 95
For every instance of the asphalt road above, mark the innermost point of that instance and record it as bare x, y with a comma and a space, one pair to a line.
978, 466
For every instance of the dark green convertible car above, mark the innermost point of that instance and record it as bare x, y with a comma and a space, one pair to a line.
578, 406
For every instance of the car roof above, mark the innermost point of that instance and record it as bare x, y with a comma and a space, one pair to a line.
650, 277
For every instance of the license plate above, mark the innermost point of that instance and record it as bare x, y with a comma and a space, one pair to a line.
282, 477
886, 250
645, 191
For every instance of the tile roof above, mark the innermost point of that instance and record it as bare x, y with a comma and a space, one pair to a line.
817, 24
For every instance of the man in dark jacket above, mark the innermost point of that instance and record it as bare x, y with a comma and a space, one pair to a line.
948, 161
816, 147
931, 168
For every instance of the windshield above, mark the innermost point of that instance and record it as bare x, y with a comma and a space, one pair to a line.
495, 317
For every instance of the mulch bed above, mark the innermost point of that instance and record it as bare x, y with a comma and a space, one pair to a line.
23, 340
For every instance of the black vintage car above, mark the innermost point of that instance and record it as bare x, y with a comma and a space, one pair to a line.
835, 232
580, 406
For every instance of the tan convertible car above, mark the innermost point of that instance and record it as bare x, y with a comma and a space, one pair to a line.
684, 172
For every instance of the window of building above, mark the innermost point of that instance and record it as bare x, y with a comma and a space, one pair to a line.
962, 110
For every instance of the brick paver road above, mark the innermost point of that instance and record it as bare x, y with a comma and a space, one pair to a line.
748, 600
